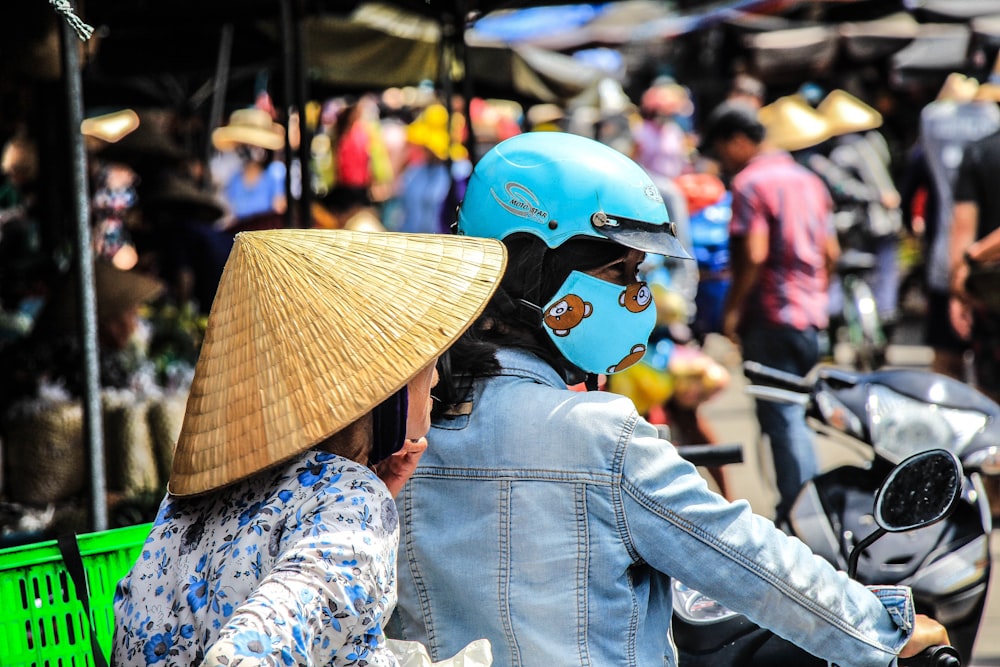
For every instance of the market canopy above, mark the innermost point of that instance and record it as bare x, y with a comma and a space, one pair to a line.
379, 46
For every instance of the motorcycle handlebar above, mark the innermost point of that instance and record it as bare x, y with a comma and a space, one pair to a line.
704, 455
934, 656
712, 455
758, 372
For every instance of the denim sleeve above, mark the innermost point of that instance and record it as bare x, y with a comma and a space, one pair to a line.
672, 521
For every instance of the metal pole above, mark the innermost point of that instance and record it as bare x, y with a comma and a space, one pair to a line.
288, 63
219, 89
92, 414
468, 91
305, 134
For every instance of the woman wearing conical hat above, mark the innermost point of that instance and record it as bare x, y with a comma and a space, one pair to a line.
255, 193
276, 542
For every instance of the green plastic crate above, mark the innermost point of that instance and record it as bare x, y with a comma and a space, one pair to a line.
41, 619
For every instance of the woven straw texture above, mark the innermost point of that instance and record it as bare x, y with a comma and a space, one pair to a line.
310, 329
130, 460
46, 458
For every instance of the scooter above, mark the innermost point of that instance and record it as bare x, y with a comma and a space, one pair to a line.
892, 414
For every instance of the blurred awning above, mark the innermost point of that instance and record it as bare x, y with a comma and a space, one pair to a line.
565, 28
867, 41
929, 11
938, 47
379, 46
795, 51
986, 32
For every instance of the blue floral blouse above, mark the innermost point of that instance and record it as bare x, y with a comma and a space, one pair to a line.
294, 566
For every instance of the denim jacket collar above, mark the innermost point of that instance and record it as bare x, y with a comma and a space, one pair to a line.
517, 362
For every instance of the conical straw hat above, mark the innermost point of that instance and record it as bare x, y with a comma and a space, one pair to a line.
792, 124
110, 127
847, 114
958, 88
989, 90
310, 329
115, 291
253, 127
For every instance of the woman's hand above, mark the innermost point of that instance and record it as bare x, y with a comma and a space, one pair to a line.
926, 633
398, 468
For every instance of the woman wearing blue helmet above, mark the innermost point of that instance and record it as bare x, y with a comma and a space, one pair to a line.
551, 521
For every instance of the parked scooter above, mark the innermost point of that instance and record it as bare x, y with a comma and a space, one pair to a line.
893, 414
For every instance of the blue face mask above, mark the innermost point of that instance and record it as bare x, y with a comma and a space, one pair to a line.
598, 326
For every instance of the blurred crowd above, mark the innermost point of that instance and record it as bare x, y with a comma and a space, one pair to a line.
164, 215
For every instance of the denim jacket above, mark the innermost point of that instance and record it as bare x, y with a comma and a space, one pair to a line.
550, 522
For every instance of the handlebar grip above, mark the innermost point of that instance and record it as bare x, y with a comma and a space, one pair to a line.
712, 455
758, 372
935, 656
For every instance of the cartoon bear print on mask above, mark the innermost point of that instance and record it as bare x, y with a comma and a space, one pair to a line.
636, 297
566, 313
638, 350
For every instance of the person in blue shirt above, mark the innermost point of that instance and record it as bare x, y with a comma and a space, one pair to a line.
255, 192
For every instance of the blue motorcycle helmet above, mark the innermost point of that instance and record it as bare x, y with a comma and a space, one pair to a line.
559, 186
565, 204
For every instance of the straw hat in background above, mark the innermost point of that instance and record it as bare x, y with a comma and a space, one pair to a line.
847, 114
179, 198
252, 127
987, 92
110, 127
311, 329
116, 291
149, 145
958, 87
792, 124
666, 98
545, 117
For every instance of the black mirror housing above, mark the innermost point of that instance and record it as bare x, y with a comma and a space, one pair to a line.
920, 491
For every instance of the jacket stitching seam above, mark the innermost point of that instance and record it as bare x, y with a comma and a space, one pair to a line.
503, 580
583, 568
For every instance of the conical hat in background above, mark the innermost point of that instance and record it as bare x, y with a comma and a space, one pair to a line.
115, 291
792, 124
110, 127
149, 144
846, 114
989, 90
958, 88
253, 127
181, 199
311, 329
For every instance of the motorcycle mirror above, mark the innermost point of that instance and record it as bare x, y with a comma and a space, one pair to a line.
921, 490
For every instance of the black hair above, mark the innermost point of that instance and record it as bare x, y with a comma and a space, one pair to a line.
513, 317
732, 118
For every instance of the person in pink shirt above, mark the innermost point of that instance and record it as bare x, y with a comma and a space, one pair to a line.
782, 249
661, 144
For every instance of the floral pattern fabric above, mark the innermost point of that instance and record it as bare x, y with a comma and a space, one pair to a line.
294, 566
